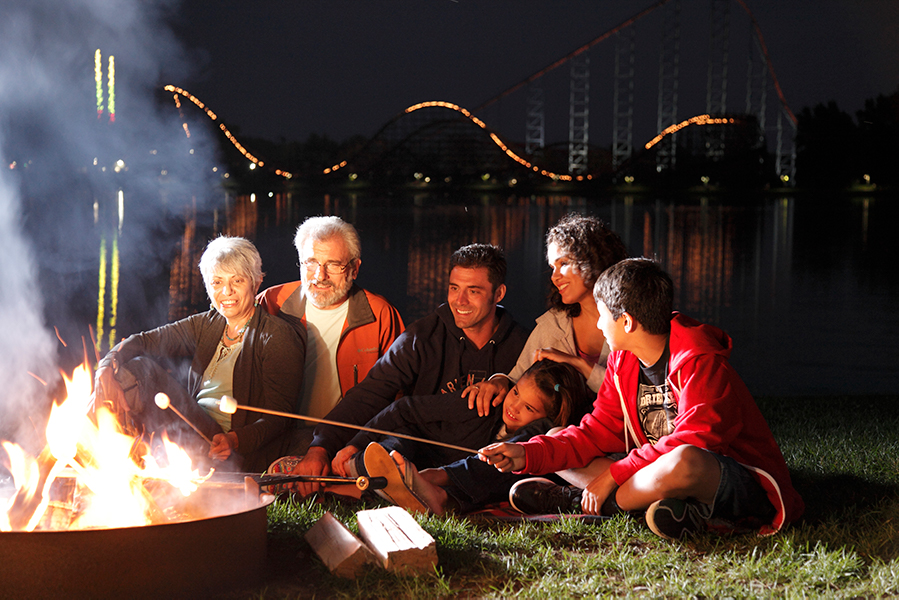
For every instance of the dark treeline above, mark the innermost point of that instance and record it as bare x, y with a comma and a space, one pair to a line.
836, 151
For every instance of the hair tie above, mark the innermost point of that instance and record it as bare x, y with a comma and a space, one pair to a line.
556, 387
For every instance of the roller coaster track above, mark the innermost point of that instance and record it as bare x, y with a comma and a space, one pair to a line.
628, 22
697, 120
503, 146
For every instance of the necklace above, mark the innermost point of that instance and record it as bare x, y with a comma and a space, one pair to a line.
239, 333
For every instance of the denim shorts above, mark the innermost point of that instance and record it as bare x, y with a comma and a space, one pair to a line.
740, 500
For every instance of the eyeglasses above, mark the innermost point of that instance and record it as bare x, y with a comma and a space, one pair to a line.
330, 267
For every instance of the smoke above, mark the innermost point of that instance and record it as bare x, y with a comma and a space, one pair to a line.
60, 187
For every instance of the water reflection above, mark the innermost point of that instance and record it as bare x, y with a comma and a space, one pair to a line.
745, 265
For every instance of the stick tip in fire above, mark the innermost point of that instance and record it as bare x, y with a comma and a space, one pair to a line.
162, 400
228, 405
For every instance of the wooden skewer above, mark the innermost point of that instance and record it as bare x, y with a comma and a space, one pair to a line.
163, 402
228, 403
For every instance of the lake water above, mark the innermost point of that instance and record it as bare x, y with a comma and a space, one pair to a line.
802, 283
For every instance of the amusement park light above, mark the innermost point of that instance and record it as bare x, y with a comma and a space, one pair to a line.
252, 166
628, 179
867, 178
704, 179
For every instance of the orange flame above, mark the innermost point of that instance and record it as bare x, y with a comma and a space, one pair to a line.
112, 488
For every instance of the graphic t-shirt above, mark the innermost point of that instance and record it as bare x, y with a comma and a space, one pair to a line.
656, 407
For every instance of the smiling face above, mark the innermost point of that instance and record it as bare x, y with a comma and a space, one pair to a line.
472, 299
523, 404
566, 276
326, 290
232, 294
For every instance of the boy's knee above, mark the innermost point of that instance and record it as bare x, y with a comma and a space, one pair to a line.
691, 465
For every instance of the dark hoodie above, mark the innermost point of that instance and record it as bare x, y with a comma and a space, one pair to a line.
430, 357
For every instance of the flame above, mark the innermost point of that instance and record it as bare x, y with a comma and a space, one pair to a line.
112, 478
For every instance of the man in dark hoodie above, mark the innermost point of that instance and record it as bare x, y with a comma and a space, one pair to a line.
463, 342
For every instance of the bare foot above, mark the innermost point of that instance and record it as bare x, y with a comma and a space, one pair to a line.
432, 495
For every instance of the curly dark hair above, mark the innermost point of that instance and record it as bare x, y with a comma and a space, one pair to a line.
592, 247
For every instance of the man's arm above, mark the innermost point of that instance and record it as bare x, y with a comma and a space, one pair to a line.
393, 374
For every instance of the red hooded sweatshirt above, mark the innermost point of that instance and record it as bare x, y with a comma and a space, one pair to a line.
715, 411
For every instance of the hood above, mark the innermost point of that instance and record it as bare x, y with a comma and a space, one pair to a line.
696, 339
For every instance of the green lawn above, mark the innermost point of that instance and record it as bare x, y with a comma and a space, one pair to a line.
844, 455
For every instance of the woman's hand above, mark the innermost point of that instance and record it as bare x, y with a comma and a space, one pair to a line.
486, 394
504, 456
108, 391
343, 456
223, 444
583, 367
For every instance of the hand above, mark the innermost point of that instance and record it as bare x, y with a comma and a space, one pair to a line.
108, 392
596, 493
504, 456
223, 444
583, 367
339, 464
315, 464
487, 393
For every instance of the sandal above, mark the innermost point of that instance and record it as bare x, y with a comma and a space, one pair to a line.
398, 490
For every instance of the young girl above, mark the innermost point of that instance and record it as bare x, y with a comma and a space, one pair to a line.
549, 394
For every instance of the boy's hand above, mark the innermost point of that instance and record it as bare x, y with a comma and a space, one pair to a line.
596, 493
506, 457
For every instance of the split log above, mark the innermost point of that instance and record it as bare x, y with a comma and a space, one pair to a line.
341, 551
398, 541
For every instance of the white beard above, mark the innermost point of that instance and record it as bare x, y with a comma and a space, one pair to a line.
326, 298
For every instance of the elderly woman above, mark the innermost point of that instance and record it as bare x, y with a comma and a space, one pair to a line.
235, 348
578, 248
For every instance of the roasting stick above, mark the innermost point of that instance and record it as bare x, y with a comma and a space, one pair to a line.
163, 402
229, 405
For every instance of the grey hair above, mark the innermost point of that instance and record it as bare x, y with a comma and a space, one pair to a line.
235, 254
320, 229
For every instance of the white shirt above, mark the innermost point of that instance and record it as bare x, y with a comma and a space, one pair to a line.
321, 385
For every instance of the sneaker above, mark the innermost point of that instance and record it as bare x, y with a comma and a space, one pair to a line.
540, 496
675, 519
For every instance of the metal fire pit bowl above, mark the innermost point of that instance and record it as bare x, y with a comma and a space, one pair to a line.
196, 558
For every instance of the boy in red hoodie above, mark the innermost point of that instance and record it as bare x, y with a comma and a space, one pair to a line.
674, 430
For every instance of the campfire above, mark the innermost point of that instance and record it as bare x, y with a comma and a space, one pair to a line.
98, 513
92, 474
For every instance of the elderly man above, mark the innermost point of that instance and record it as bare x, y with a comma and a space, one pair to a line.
346, 328
464, 341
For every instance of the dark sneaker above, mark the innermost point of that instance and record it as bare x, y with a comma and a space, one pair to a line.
675, 519
540, 496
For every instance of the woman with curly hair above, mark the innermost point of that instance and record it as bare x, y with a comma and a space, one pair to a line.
578, 248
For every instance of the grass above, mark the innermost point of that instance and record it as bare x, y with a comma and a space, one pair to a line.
844, 456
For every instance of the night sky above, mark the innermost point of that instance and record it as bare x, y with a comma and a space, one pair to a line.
286, 69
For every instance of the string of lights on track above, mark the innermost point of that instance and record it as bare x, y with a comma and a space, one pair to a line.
697, 120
